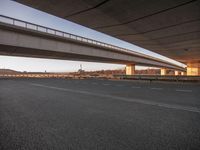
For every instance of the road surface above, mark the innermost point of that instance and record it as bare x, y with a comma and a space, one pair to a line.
61, 114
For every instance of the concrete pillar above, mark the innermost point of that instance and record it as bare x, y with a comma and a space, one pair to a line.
163, 72
176, 73
193, 69
130, 69
183, 73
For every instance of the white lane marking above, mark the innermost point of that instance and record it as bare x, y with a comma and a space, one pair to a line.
155, 88
106, 84
135, 87
180, 90
94, 83
159, 104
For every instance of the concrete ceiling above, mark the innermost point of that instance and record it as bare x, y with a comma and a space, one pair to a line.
168, 27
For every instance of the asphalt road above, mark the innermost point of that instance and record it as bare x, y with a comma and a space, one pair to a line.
60, 114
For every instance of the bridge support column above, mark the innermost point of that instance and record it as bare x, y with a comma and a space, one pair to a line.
176, 73
130, 69
163, 72
193, 69
183, 73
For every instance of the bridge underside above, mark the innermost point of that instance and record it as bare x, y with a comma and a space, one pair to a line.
28, 52
170, 28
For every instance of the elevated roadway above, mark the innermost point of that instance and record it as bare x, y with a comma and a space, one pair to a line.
19, 38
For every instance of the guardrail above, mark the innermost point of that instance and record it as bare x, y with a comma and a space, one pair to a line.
124, 77
52, 75
39, 28
159, 78
30, 75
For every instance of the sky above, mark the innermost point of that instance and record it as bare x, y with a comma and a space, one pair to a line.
22, 12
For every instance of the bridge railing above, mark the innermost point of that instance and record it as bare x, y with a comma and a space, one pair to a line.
39, 28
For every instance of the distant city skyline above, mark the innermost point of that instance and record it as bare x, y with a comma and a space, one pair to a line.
19, 11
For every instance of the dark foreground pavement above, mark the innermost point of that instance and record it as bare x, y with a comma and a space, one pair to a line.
44, 114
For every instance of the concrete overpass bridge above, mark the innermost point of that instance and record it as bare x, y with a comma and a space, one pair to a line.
168, 27
19, 38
